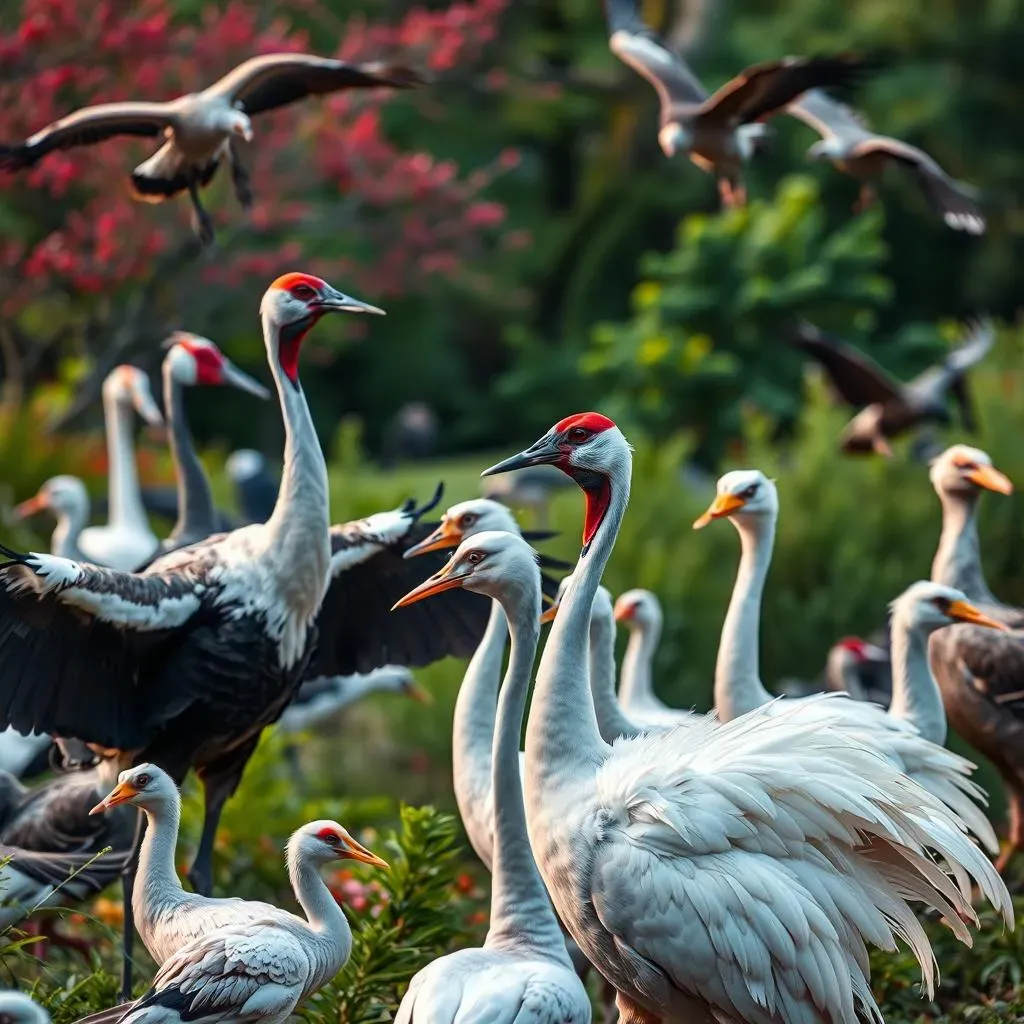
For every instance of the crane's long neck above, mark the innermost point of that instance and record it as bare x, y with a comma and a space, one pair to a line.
473, 725
64, 540
957, 561
562, 734
195, 499
323, 915
636, 684
611, 720
915, 693
125, 498
157, 876
738, 686
521, 913
296, 535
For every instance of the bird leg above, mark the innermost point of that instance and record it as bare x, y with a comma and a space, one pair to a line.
733, 193
240, 178
202, 223
865, 200
630, 1013
1015, 837
880, 446
127, 889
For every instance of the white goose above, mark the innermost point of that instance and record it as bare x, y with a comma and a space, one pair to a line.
66, 497
909, 734
127, 540
261, 969
166, 916
737, 876
522, 972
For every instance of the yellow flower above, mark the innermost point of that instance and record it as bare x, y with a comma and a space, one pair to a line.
694, 351
647, 294
653, 350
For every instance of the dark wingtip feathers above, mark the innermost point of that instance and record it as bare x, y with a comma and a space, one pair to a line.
14, 158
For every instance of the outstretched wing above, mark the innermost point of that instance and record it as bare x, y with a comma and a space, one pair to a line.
639, 46
955, 202
86, 127
931, 385
857, 379
764, 89
276, 79
359, 632
76, 641
828, 117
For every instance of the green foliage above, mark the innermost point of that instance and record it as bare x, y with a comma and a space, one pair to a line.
704, 339
418, 920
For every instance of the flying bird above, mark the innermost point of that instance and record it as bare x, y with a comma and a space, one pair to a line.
716, 131
202, 129
889, 408
853, 147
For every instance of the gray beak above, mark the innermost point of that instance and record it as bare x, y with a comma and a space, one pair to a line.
336, 301
873, 653
233, 375
540, 453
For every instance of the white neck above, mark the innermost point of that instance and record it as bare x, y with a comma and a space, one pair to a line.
322, 912
125, 499
738, 686
157, 877
473, 725
562, 736
957, 561
915, 693
64, 540
297, 533
522, 917
611, 721
636, 685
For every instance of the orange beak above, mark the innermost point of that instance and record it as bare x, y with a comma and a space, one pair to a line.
437, 584
121, 793
723, 505
418, 693
355, 851
549, 613
964, 612
31, 506
447, 535
989, 478
623, 613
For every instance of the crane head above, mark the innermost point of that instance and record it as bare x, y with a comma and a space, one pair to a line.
966, 471
192, 359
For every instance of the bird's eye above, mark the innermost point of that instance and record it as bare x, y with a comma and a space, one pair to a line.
749, 492
475, 557
331, 838
142, 780
303, 292
467, 520
577, 434
941, 603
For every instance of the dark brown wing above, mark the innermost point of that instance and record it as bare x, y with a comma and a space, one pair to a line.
358, 630
86, 127
277, 79
955, 202
856, 378
764, 89
992, 663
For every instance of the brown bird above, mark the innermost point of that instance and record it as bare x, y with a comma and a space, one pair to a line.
203, 128
853, 147
717, 132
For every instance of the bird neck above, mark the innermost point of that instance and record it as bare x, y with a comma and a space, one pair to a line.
915, 693
843, 674
738, 686
355, 688
636, 684
323, 915
473, 724
157, 873
958, 558
562, 735
64, 540
297, 532
611, 721
125, 506
521, 913
195, 499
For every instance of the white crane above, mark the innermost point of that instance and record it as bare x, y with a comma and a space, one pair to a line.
262, 968
904, 734
166, 916
67, 499
741, 873
18, 1008
522, 972
127, 541
202, 129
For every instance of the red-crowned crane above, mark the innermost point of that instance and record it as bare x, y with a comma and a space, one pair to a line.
184, 664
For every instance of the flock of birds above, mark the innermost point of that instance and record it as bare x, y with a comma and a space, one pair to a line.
730, 867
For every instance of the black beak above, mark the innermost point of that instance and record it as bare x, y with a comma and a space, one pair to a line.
334, 300
541, 453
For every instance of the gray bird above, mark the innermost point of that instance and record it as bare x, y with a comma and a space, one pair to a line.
889, 408
853, 147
